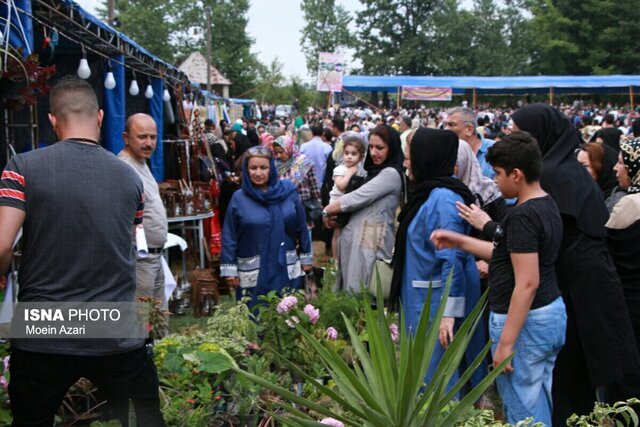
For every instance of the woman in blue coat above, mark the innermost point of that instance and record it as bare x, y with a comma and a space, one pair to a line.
265, 223
430, 158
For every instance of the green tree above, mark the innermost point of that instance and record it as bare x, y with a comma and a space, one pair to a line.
585, 36
172, 29
414, 37
270, 80
326, 30
135, 17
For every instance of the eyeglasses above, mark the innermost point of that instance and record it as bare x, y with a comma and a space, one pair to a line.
454, 124
260, 151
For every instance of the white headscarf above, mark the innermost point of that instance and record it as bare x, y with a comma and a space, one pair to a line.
470, 173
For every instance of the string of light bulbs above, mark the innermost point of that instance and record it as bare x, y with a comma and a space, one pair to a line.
84, 71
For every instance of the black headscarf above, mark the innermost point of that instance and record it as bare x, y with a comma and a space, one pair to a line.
394, 157
607, 177
563, 177
433, 157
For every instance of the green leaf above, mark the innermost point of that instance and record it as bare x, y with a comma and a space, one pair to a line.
215, 363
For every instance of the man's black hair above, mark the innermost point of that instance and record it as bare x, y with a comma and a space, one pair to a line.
316, 129
609, 118
338, 123
209, 122
518, 150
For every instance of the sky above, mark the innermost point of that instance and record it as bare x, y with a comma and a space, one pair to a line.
275, 27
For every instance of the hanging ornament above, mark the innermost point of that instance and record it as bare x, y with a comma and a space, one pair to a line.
149, 92
134, 89
109, 81
84, 72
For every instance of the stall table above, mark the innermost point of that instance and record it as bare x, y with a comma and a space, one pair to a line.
192, 222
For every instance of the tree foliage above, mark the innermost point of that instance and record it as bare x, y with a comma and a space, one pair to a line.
585, 36
326, 29
507, 37
134, 18
172, 29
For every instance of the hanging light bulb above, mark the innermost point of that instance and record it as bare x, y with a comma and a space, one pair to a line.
166, 96
84, 72
134, 89
110, 81
149, 92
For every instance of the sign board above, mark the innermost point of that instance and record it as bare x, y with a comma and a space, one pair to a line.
330, 72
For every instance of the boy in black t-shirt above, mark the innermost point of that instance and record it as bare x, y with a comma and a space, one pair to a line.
528, 315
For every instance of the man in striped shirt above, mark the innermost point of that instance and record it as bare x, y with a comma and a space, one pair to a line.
77, 205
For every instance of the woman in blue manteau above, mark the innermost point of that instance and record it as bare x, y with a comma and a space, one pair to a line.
430, 158
264, 226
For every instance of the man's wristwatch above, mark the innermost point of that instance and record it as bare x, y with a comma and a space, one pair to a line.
325, 213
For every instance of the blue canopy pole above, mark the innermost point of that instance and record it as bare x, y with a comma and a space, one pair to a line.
114, 108
156, 106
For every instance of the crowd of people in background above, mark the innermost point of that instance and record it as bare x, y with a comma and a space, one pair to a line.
557, 228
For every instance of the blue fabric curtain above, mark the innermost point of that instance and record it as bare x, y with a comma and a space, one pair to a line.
114, 111
15, 35
156, 106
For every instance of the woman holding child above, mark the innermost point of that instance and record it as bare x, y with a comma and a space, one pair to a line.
369, 234
430, 159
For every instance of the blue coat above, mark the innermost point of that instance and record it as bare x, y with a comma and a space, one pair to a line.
246, 231
425, 265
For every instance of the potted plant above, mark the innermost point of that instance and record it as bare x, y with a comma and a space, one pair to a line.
384, 387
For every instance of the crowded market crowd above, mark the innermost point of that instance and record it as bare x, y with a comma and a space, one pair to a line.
537, 203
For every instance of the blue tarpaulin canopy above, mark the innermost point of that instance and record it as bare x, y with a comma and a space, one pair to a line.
497, 85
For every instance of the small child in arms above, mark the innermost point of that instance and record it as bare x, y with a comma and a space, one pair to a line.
346, 178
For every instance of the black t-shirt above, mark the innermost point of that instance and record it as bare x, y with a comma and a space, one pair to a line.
533, 226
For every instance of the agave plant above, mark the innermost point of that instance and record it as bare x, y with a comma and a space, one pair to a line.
385, 386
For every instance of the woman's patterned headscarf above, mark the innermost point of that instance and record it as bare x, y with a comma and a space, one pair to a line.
631, 156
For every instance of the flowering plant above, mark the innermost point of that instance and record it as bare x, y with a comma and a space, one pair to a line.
278, 321
5, 411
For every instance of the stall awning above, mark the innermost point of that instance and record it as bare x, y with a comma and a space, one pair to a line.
497, 85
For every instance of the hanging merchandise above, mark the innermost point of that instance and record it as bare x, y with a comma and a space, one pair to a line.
225, 113
49, 43
211, 112
216, 233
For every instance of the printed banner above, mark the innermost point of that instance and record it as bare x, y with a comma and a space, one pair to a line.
330, 72
425, 93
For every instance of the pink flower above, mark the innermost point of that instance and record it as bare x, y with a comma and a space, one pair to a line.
312, 312
286, 304
253, 346
395, 334
332, 334
5, 361
3, 382
292, 323
331, 422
